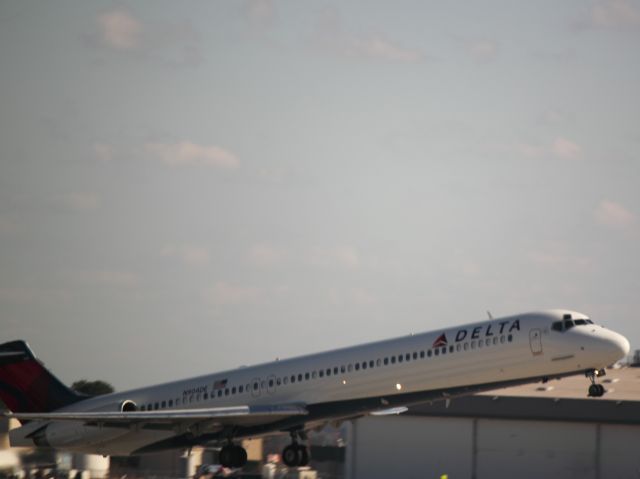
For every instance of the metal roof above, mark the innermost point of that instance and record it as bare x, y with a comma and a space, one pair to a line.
556, 400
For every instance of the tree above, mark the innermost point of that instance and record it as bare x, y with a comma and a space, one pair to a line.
92, 388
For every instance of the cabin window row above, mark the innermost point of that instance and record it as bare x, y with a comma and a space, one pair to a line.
359, 366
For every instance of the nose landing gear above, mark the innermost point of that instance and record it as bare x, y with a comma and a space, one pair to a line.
595, 390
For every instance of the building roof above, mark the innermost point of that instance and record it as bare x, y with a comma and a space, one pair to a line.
557, 400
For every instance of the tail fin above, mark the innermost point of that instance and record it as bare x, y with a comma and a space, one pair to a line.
26, 385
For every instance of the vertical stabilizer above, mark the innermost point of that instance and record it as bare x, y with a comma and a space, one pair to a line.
26, 385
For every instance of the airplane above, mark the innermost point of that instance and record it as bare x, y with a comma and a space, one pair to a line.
303, 393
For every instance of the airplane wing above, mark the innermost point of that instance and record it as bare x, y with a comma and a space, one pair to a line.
237, 415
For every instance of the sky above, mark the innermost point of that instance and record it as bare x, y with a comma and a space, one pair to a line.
187, 187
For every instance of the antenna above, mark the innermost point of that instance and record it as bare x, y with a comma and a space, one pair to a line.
489, 314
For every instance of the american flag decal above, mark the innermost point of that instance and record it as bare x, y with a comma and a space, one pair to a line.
441, 341
220, 384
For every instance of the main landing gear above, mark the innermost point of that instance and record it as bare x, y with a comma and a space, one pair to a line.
295, 455
232, 456
595, 390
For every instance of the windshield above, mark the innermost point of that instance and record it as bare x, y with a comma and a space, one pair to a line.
568, 323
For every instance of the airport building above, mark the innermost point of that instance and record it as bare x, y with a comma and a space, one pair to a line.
532, 431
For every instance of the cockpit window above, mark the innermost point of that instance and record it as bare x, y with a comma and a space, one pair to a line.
567, 324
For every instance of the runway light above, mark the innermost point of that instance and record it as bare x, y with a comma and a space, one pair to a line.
398, 386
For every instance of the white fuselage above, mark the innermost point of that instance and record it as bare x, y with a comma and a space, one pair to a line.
487, 353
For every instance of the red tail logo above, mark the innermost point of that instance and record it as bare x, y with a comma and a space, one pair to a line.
441, 341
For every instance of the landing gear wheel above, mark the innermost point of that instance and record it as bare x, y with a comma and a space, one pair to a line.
295, 455
595, 390
290, 455
303, 455
233, 456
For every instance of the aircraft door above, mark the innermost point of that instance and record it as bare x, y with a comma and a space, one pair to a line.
535, 341
255, 387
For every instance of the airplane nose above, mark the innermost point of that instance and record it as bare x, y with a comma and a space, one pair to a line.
622, 344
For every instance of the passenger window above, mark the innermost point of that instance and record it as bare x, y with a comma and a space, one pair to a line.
314, 374
342, 369
335, 370
415, 355
142, 408
321, 373
371, 363
364, 365
328, 371
488, 342
378, 362
422, 354
164, 404
466, 346
226, 391
285, 380
278, 381
495, 340
299, 377
233, 389
451, 348
444, 350
400, 358
436, 352
458, 347
502, 339
241, 389
156, 406
293, 379
350, 368
357, 366
393, 359
407, 357
170, 402
480, 343
473, 344
220, 390
256, 385
386, 361
306, 376
429, 353
270, 383
510, 337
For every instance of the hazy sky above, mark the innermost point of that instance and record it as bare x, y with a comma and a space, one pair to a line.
192, 186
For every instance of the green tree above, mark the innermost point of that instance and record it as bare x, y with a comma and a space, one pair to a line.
92, 388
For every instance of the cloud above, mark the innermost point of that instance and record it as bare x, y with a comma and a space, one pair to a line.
615, 14
614, 215
265, 255
191, 255
346, 257
187, 153
329, 36
566, 149
80, 202
260, 13
103, 152
224, 293
175, 43
483, 51
560, 148
119, 29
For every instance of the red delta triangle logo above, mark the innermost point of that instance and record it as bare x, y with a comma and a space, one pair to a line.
441, 341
